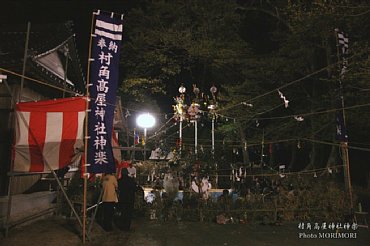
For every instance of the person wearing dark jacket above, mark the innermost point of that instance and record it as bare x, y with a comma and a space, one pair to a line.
127, 188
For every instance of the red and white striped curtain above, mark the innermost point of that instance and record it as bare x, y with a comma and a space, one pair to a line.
48, 134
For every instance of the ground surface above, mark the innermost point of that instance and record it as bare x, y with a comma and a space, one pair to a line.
59, 231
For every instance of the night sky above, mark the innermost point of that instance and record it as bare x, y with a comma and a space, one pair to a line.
79, 12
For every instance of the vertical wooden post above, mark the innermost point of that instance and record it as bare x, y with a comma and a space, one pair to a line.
347, 174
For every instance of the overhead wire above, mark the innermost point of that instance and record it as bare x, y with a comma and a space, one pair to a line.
315, 113
284, 85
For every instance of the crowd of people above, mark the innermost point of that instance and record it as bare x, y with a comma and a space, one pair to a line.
119, 195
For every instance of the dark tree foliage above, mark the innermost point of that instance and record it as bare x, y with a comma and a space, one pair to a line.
252, 50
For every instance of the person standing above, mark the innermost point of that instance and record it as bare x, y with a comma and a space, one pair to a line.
131, 170
127, 188
109, 200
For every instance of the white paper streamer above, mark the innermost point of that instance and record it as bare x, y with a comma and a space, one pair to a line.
298, 118
286, 102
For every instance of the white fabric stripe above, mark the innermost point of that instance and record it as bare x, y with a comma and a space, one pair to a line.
80, 130
108, 35
23, 119
54, 130
109, 26
22, 151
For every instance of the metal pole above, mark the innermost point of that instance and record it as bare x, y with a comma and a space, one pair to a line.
180, 136
95, 212
24, 60
144, 144
11, 177
213, 136
64, 193
196, 139
10, 198
133, 151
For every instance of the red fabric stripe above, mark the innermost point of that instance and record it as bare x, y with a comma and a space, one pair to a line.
115, 144
69, 133
72, 104
36, 140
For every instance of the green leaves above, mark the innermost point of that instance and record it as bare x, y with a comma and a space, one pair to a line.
139, 88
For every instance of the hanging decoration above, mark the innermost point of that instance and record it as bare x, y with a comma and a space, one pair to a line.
196, 91
247, 104
213, 91
193, 112
282, 171
236, 175
299, 118
343, 42
286, 102
179, 108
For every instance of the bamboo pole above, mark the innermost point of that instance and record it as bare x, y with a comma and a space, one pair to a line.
11, 178
38, 81
86, 131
